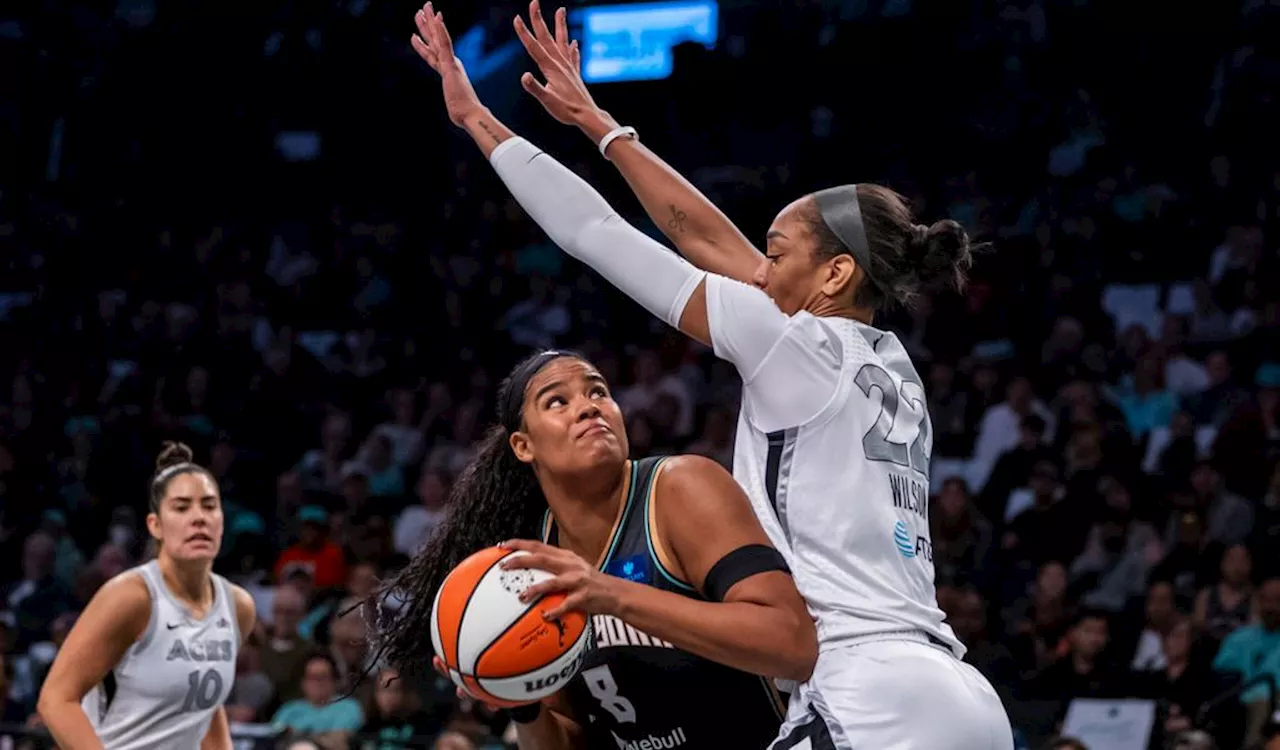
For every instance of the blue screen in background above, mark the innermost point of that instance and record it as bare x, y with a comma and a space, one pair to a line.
633, 42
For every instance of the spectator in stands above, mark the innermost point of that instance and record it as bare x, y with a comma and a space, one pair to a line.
253, 689
1013, 469
395, 717
1222, 396
1037, 624
1185, 681
1253, 652
1118, 554
1052, 528
1082, 670
1146, 402
416, 522
1162, 615
314, 552
321, 468
1229, 516
285, 651
962, 538
1228, 604
330, 722
39, 597
1184, 564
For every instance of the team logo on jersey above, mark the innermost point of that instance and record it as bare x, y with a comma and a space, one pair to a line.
634, 568
902, 539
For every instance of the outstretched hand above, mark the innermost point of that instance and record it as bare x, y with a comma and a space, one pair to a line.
433, 44
564, 95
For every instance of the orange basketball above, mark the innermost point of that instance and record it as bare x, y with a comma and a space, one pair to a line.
497, 648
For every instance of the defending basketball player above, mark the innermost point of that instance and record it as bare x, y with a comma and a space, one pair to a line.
833, 442
152, 658
684, 620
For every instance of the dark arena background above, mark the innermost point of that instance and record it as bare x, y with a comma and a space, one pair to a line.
250, 227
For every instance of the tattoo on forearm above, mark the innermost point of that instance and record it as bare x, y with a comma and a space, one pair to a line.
488, 129
676, 223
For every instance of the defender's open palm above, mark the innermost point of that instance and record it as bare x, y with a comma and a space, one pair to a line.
433, 44
564, 95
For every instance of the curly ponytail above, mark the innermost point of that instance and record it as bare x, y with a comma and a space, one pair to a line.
496, 498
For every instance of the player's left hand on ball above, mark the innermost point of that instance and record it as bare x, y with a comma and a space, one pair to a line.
585, 588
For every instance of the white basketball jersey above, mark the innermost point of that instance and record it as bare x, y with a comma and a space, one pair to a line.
163, 693
833, 450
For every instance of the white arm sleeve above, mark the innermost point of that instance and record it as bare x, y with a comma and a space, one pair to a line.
584, 225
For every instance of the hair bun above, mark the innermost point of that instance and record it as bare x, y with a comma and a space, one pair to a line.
173, 453
942, 254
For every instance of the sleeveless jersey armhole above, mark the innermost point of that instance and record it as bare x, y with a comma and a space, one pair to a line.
665, 561
232, 607
153, 619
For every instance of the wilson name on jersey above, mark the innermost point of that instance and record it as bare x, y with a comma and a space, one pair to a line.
638, 692
163, 692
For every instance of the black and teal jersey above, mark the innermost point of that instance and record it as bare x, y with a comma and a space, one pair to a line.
638, 692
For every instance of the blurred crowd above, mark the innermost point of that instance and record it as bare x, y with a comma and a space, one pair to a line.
251, 230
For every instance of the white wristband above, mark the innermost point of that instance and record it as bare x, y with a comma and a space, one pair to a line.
614, 135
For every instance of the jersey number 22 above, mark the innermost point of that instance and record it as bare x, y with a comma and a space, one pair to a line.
900, 434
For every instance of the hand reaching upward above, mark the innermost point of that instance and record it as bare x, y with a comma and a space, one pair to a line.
433, 44
564, 95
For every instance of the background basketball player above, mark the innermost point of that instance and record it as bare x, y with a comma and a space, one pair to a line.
151, 660
833, 443
670, 603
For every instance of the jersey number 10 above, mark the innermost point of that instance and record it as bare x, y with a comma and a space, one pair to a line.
202, 690
901, 432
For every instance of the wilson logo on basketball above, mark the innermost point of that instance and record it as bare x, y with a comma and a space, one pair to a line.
549, 681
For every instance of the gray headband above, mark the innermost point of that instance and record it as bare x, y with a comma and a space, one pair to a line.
840, 211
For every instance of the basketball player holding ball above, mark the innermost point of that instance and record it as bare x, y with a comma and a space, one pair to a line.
152, 658
834, 440
684, 620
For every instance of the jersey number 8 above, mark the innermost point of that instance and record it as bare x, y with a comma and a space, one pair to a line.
604, 689
900, 434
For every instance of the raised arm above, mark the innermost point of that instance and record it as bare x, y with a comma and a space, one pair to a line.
702, 233
710, 308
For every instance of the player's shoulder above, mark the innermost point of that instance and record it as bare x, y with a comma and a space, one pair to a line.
246, 607
122, 604
692, 478
690, 467
127, 588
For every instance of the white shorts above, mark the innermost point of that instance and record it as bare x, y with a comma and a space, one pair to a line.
902, 693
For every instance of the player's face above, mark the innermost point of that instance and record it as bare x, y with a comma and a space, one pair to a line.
189, 523
571, 422
792, 273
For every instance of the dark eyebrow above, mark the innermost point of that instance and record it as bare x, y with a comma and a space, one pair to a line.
546, 388
775, 234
